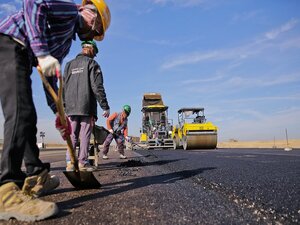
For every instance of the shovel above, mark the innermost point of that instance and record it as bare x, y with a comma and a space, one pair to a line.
134, 144
79, 179
141, 147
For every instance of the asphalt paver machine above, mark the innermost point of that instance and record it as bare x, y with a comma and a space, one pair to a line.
156, 127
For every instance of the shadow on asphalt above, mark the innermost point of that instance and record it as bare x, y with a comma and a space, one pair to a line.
118, 165
127, 185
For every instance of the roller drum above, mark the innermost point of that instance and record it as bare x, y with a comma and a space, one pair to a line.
200, 141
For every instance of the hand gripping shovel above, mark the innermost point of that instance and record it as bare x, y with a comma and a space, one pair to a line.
79, 179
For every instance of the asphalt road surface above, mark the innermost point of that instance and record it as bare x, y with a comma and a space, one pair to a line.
223, 186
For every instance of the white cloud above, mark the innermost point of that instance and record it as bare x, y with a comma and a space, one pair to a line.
291, 43
263, 127
237, 53
210, 79
266, 81
279, 80
271, 98
197, 57
159, 42
282, 29
235, 84
192, 58
247, 15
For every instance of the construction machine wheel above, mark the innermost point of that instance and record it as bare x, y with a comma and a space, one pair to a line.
205, 141
176, 142
185, 143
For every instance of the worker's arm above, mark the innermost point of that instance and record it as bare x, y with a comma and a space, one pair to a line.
110, 119
43, 23
40, 15
126, 131
36, 15
96, 79
52, 81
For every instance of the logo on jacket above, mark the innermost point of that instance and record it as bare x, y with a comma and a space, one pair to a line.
77, 70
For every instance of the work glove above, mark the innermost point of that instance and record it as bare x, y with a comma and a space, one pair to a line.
106, 113
128, 139
65, 131
49, 65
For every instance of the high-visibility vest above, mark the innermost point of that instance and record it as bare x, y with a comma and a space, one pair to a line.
116, 123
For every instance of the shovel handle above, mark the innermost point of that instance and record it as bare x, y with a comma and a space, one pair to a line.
60, 109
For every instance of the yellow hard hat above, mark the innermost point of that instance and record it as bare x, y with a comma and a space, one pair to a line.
104, 13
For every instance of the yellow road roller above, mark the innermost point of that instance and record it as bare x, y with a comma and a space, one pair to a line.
156, 127
193, 131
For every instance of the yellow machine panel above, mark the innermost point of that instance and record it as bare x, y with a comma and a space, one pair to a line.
143, 138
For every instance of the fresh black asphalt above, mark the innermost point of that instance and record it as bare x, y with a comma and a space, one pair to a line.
222, 186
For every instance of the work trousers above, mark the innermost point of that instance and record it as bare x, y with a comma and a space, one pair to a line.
120, 140
19, 113
81, 128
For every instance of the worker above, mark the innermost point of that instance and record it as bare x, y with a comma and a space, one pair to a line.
118, 130
155, 136
83, 87
40, 34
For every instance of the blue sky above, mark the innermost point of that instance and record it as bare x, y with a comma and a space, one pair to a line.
239, 59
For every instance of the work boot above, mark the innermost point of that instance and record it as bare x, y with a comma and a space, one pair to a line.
85, 167
123, 156
70, 167
16, 204
40, 184
105, 157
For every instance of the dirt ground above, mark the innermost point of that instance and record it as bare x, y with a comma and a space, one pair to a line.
294, 143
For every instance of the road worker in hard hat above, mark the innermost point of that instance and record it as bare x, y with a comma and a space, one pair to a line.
117, 125
83, 87
40, 34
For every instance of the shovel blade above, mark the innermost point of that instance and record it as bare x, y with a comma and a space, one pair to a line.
82, 179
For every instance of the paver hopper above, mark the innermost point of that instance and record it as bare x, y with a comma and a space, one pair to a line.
193, 131
156, 128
